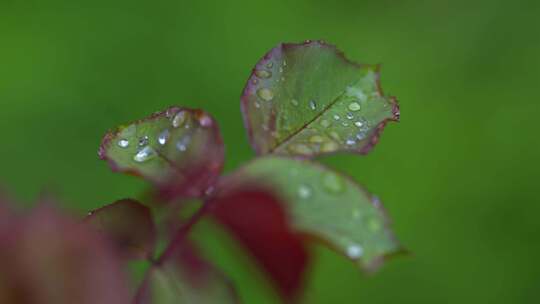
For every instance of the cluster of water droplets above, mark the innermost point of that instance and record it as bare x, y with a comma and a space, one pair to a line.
145, 147
342, 124
332, 184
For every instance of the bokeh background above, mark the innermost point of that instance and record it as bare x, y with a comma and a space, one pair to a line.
458, 174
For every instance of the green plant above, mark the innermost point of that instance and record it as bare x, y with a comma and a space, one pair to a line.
300, 101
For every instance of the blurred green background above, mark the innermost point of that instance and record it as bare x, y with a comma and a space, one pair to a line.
458, 175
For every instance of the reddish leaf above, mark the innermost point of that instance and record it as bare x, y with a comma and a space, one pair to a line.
180, 150
259, 222
129, 225
181, 276
48, 259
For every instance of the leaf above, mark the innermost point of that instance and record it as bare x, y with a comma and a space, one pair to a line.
129, 225
257, 219
307, 99
327, 206
180, 150
182, 277
49, 259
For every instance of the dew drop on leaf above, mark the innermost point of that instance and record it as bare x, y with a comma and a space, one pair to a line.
143, 141
263, 73
304, 191
179, 119
329, 146
294, 102
336, 117
350, 115
123, 143
359, 124
265, 94
312, 105
163, 137
144, 154
316, 139
350, 142
354, 106
333, 183
354, 251
325, 123
182, 144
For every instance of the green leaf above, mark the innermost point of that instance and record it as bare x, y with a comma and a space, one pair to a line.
327, 206
308, 99
180, 150
128, 225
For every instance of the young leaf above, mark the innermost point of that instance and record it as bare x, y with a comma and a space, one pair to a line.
257, 219
49, 259
182, 277
180, 150
307, 99
129, 225
326, 206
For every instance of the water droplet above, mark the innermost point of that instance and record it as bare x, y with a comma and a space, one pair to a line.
284, 63
312, 105
354, 251
123, 143
144, 154
308, 41
325, 123
329, 146
179, 119
350, 115
294, 102
257, 104
350, 142
359, 124
265, 94
143, 141
255, 80
163, 137
205, 121
280, 69
354, 106
333, 183
304, 191
270, 64
316, 139
361, 135
182, 144
336, 117
263, 73
345, 124
300, 149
